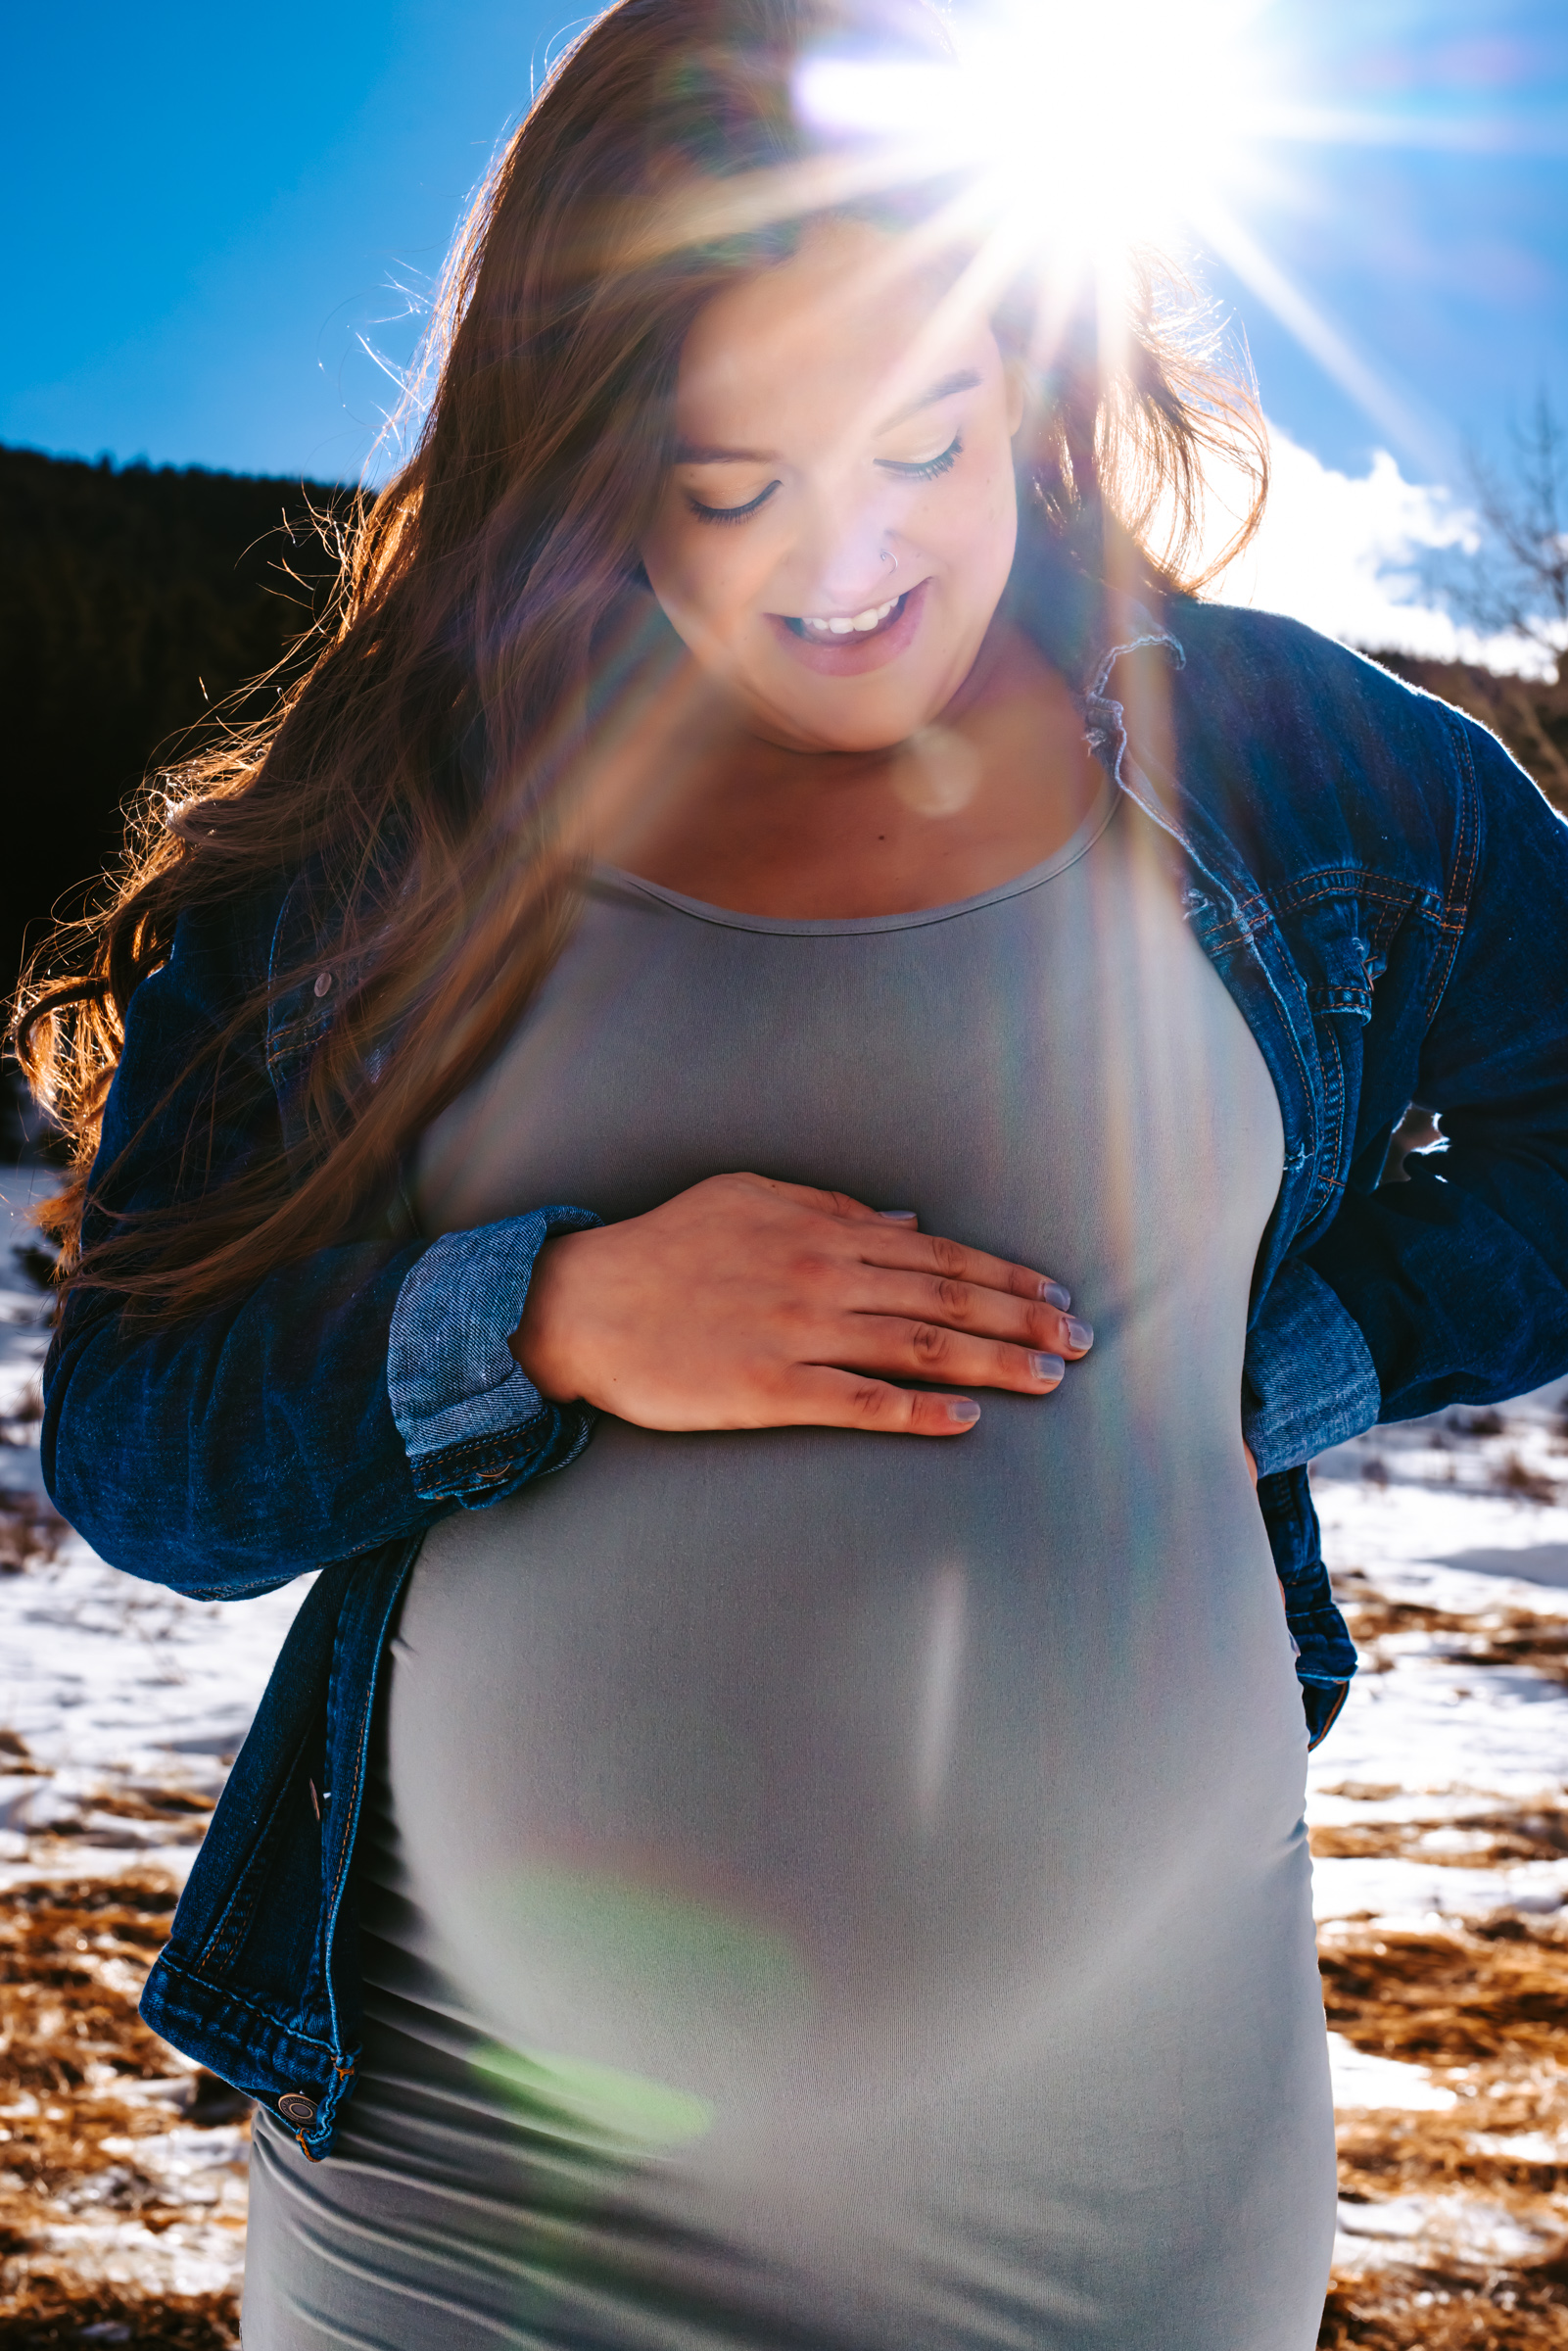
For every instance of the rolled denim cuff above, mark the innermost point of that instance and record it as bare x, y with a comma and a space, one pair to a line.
474, 1424
1310, 1379
1325, 1654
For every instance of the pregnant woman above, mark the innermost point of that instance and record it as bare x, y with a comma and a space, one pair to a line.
774, 912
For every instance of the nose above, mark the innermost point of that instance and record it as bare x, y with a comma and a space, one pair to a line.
843, 559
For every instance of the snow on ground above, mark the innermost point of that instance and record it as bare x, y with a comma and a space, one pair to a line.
1450, 1744
1438, 1808
122, 1706
1439, 1812
127, 1704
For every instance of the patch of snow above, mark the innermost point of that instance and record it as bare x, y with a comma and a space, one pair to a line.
1427, 2229
1411, 1895
1476, 1533
1520, 2146
1432, 1725
1362, 2083
117, 1688
188, 2257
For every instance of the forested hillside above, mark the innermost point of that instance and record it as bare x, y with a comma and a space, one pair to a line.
132, 602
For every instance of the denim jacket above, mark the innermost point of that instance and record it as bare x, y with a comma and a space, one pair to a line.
1381, 888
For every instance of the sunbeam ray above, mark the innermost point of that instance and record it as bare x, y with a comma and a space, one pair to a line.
1199, 103
1239, 249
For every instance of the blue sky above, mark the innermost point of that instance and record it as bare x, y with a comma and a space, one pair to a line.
210, 209
1440, 247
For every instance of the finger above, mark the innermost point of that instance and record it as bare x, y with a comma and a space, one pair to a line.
903, 1350
900, 1246
967, 1306
821, 1397
831, 1204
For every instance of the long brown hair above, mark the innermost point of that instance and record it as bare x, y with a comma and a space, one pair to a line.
491, 615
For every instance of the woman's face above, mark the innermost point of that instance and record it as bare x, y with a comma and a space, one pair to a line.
838, 525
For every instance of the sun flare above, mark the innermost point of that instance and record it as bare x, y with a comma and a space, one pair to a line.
1080, 136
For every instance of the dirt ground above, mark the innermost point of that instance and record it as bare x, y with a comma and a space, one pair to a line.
89, 2095
1487, 2011
84, 2089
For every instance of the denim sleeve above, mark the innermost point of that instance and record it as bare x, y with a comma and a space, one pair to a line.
227, 1453
473, 1424
1310, 1381
1458, 1277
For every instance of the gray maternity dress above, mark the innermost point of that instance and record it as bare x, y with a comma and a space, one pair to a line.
842, 1891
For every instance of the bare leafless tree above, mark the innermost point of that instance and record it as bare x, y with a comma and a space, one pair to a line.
1514, 583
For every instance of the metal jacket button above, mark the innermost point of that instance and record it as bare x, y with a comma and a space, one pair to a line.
323, 981
296, 2107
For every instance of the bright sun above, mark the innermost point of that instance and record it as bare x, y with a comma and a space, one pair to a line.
1083, 133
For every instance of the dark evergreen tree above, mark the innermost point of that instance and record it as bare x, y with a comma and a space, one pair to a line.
135, 604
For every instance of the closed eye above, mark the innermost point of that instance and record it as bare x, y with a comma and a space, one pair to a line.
730, 513
928, 469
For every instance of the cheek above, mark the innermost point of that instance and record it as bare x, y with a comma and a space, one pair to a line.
699, 568
981, 524
1000, 503
668, 561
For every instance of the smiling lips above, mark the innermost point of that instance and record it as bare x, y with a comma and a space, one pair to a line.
871, 618
850, 645
859, 624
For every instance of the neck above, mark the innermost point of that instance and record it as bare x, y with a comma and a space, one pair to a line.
992, 787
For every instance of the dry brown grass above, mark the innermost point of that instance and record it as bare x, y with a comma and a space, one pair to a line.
154, 1804
1486, 2009
1504, 1636
72, 1962
57, 2315
1539, 1833
1439, 2314
1516, 1476
19, 1425
31, 1532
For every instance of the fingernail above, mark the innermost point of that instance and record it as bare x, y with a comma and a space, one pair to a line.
1055, 1295
1047, 1366
963, 1412
900, 1215
1080, 1334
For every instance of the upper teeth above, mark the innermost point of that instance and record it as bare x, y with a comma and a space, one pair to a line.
871, 618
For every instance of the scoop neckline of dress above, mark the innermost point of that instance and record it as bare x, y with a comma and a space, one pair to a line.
1078, 844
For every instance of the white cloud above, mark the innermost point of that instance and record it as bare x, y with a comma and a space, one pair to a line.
1342, 551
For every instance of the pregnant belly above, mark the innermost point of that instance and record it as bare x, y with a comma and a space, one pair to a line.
727, 1758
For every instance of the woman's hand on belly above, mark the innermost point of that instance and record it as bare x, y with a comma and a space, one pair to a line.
748, 1304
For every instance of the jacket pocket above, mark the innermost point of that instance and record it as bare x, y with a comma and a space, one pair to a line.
1340, 954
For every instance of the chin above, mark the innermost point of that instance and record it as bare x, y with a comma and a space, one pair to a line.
880, 725
885, 738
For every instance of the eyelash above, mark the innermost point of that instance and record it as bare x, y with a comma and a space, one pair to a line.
933, 466
731, 514
909, 473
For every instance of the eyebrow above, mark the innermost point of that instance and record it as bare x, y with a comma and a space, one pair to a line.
688, 453
964, 379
